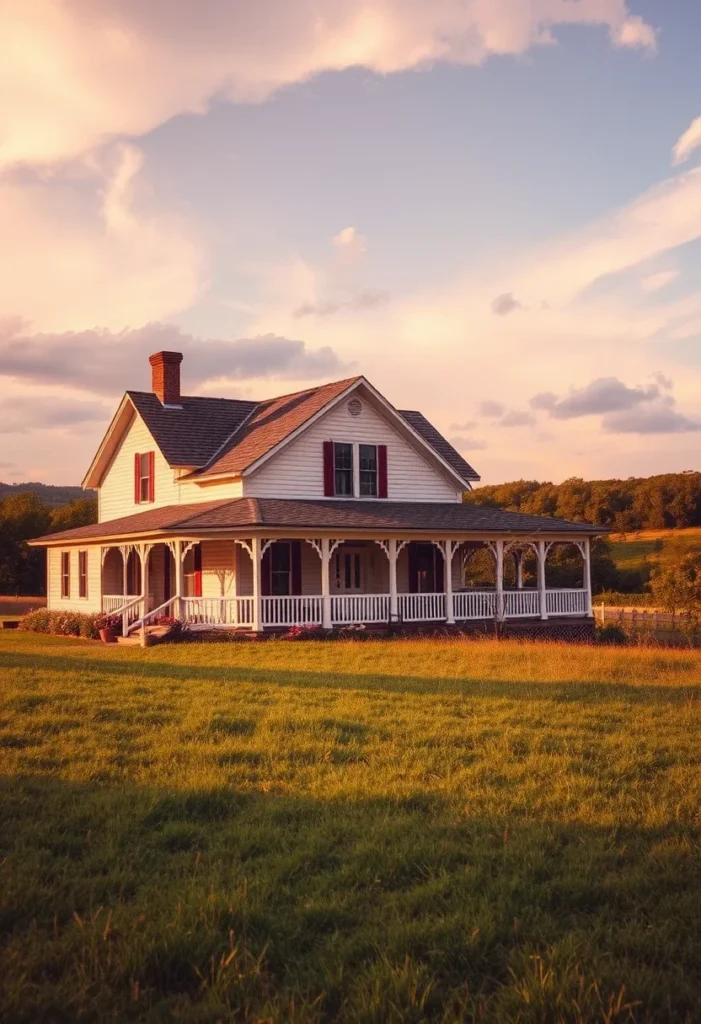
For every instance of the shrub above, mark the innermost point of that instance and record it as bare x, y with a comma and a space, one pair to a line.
176, 627
611, 635
108, 621
305, 633
62, 623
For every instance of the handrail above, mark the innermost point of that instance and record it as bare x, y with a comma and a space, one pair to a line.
123, 611
149, 615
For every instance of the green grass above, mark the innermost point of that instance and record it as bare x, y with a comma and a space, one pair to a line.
398, 831
650, 548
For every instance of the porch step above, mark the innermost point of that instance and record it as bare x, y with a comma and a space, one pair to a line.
155, 633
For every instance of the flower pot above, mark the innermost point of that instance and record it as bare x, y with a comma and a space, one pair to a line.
108, 636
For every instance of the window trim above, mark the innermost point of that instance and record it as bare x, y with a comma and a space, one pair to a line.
355, 470
65, 575
375, 447
83, 574
352, 469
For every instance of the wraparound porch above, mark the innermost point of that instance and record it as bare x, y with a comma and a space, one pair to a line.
246, 583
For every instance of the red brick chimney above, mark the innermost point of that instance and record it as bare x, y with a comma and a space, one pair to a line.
165, 376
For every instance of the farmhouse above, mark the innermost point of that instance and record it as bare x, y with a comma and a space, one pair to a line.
327, 507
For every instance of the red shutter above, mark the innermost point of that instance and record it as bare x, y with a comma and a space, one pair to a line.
197, 580
151, 476
296, 567
265, 570
382, 471
137, 478
329, 489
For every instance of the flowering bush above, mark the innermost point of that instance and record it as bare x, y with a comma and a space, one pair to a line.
63, 623
304, 633
175, 626
109, 621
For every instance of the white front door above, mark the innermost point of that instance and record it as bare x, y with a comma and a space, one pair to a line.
348, 570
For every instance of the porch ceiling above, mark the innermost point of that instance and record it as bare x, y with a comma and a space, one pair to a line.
355, 516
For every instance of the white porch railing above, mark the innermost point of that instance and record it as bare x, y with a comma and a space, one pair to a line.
217, 611
566, 602
349, 609
421, 607
474, 604
292, 611
521, 604
113, 603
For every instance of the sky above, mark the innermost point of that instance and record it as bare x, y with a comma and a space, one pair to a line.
490, 208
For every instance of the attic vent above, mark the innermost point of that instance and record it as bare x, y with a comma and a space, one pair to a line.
354, 407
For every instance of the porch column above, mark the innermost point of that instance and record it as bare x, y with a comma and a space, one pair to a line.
257, 604
125, 561
518, 556
541, 579
178, 556
587, 574
500, 579
448, 577
325, 583
144, 559
393, 596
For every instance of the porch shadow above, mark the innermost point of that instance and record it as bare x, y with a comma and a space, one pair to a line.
561, 691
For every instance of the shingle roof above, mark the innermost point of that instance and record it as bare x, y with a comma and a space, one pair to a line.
227, 435
421, 425
242, 513
271, 423
190, 435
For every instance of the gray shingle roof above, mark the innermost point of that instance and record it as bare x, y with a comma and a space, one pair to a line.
246, 513
421, 425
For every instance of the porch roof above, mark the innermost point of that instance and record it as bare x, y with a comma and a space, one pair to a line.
290, 514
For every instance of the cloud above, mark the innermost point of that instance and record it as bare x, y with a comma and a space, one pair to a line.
490, 408
504, 304
361, 303
124, 68
657, 419
108, 362
517, 418
654, 282
21, 414
93, 245
605, 394
470, 425
665, 382
687, 143
349, 238
467, 444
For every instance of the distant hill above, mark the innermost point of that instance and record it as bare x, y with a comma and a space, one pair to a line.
49, 493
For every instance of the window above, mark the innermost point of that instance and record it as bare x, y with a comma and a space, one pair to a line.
144, 482
367, 458
343, 469
65, 574
133, 574
280, 569
82, 574
348, 571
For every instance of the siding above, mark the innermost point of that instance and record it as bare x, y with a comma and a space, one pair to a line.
116, 493
218, 568
93, 602
297, 470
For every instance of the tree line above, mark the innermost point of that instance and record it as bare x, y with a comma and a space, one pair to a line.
24, 516
670, 500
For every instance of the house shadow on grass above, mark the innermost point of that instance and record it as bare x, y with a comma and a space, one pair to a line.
560, 691
145, 903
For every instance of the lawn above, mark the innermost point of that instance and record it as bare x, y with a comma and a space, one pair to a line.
397, 831
650, 548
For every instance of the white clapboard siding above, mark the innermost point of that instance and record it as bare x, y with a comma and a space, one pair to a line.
218, 568
297, 471
91, 603
116, 493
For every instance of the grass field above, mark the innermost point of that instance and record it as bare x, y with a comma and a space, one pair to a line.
653, 547
397, 831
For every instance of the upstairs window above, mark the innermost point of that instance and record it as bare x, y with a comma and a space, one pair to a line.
82, 574
65, 574
144, 478
343, 469
367, 459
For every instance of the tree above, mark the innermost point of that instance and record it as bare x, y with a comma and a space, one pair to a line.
22, 517
80, 512
677, 587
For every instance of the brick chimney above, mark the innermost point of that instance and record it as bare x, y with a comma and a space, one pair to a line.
165, 376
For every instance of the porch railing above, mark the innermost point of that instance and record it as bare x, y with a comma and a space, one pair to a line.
291, 611
217, 611
113, 603
474, 604
566, 602
422, 607
521, 604
347, 609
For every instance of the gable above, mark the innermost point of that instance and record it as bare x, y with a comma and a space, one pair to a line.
296, 469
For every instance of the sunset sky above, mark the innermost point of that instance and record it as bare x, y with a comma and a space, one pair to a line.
491, 208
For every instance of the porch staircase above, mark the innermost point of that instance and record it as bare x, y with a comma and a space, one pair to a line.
155, 634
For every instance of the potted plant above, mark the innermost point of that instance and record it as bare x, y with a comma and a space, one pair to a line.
108, 627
